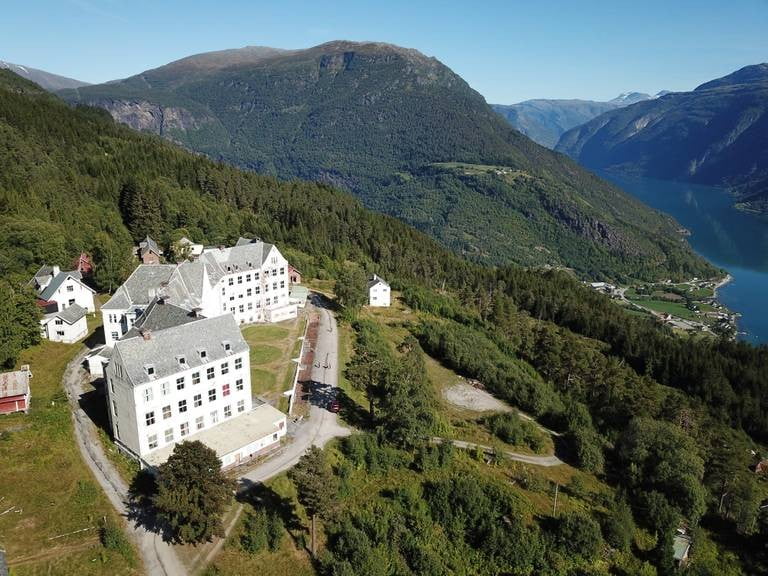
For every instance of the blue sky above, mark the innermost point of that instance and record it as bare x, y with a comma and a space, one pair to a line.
507, 50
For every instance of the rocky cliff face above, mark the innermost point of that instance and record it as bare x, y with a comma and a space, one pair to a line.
148, 117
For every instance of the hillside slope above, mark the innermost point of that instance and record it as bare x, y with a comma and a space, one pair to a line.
544, 121
48, 81
411, 139
716, 134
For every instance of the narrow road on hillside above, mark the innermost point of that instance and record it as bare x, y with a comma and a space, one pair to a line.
322, 424
545, 461
159, 557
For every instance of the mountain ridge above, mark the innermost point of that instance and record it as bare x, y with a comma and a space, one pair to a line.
47, 80
393, 126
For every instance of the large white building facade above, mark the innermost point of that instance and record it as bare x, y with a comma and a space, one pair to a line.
248, 281
176, 375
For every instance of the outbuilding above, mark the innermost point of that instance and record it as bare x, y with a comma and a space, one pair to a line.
14, 390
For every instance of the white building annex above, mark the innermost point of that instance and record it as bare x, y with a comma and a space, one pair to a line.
68, 325
249, 281
378, 292
66, 301
175, 376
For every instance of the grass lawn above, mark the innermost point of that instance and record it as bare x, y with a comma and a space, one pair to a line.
43, 475
666, 307
272, 348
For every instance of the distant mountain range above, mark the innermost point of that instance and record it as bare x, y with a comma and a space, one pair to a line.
411, 139
544, 121
46, 80
716, 134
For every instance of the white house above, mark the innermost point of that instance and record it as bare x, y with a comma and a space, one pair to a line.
64, 288
190, 249
68, 325
175, 376
378, 292
249, 281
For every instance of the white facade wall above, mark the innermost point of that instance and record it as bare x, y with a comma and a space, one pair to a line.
118, 322
244, 453
164, 399
379, 295
56, 330
73, 292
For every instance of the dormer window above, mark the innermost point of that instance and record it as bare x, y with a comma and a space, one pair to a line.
227, 346
202, 353
182, 360
149, 369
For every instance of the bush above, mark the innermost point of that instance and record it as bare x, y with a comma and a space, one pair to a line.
512, 429
113, 538
262, 529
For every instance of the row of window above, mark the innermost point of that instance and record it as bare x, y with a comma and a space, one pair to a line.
168, 435
197, 401
247, 277
210, 374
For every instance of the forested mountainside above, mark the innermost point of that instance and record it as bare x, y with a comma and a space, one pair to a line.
48, 81
716, 134
544, 120
409, 138
662, 419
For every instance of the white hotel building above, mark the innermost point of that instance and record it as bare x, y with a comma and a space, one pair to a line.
178, 376
249, 281
178, 366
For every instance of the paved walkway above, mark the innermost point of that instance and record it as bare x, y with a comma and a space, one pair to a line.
159, 557
546, 461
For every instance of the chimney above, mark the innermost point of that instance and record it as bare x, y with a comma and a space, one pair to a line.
146, 333
55, 270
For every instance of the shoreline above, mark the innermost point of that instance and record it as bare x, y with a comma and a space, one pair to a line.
727, 280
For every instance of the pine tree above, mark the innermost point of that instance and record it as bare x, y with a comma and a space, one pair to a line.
316, 486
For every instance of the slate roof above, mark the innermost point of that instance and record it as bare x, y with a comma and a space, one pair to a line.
149, 245
239, 258
376, 280
14, 383
141, 286
58, 280
70, 315
164, 346
160, 316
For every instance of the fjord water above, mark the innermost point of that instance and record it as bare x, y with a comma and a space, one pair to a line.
729, 238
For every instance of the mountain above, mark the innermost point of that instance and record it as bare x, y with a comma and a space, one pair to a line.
544, 121
50, 82
408, 137
716, 134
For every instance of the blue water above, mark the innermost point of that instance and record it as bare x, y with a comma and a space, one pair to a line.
730, 239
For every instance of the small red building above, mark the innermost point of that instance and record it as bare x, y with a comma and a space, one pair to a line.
83, 264
14, 391
294, 276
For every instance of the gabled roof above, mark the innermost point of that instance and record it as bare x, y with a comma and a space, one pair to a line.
163, 347
58, 280
149, 245
376, 280
239, 258
69, 315
158, 316
14, 383
141, 286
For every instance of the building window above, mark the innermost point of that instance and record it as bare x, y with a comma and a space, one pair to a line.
70, 288
214, 417
182, 360
182, 406
247, 277
250, 305
169, 435
249, 292
198, 400
240, 406
209, 373
184, 429
149, 418
165, 388
166, 412
241, 308
274, 301
239, 279
115, 335
212, 395
180, 383
147, 394
231, 281
149, 369
195, 378
203, 354
238, 363
223, 290
269, 301
227, 411
224, 368
200, 422
239, 383
152, 441
282, 271
282, 283
227, 346
59, 322
232, 310
225, 390
257, 290
231, 298
274, 285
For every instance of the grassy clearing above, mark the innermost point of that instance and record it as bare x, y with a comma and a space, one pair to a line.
43, 474
666, 307
272, 348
